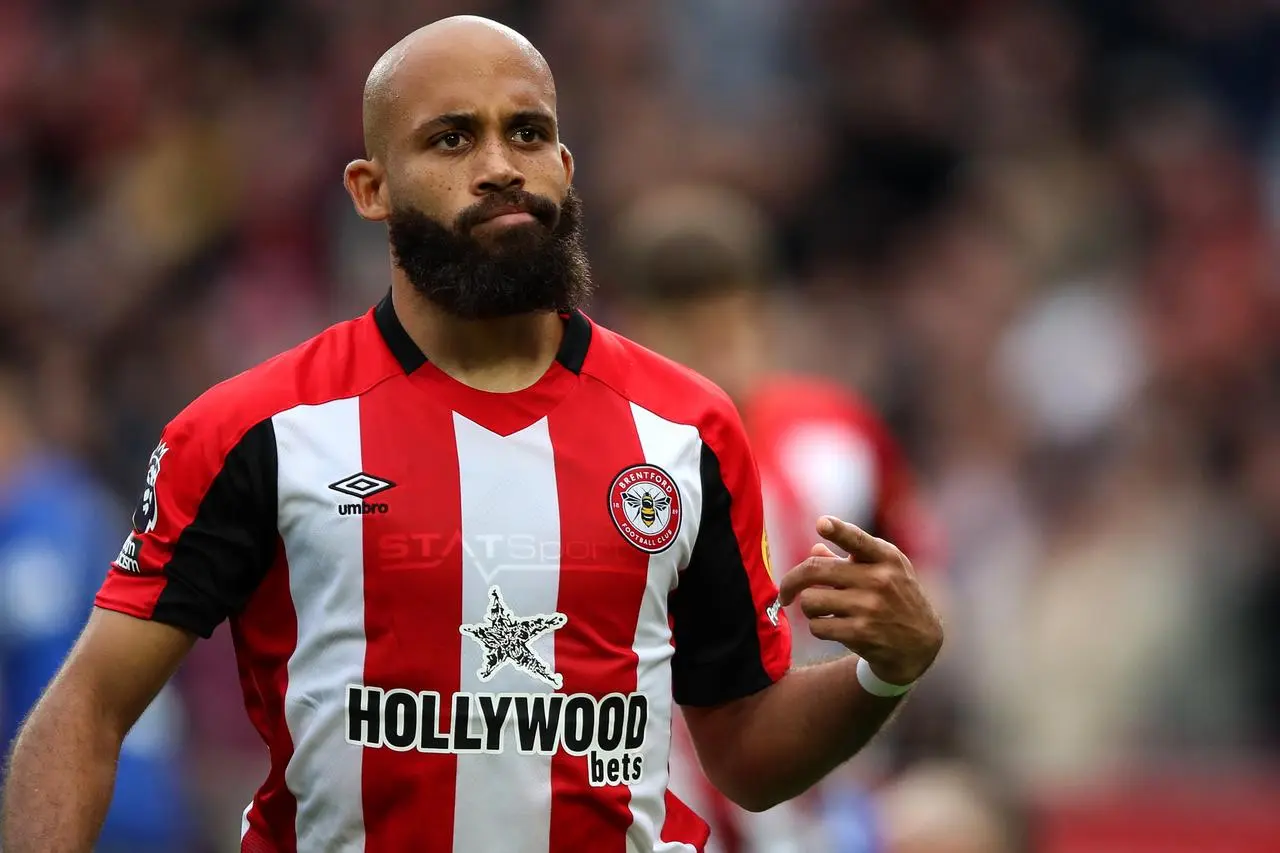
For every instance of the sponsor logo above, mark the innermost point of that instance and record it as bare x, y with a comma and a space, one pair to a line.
127, 559
645, 506
609, 730
492, 554
772, 611
363, 509
362, 486
144, 515
505, 639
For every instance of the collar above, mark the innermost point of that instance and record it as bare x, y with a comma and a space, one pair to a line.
571, 355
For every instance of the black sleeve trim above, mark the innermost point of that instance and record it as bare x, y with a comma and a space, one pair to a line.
222, 555
717, 648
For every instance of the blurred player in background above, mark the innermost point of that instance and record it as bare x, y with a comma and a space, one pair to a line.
55, 525
695, 265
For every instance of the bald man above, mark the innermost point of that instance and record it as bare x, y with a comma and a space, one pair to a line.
473, 547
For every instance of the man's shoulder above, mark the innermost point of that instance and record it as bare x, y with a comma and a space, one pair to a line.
344, 360
656, 383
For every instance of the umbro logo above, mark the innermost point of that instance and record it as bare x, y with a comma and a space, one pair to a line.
362, 486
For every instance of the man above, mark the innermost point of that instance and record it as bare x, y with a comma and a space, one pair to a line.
449, 534
55, 524
693, 265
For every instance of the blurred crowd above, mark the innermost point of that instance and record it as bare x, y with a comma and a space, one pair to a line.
1039, 236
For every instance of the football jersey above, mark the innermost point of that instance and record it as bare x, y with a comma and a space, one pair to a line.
461, 618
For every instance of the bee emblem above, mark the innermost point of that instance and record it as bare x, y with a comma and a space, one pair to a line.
645, 505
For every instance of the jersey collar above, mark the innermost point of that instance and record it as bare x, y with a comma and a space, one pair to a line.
571, 356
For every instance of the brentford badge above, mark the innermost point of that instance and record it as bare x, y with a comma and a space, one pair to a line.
645, 506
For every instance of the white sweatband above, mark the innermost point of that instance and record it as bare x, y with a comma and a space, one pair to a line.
877, 686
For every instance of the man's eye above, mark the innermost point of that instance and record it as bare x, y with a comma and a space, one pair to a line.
450, 140
529, 135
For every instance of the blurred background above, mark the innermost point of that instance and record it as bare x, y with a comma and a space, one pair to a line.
1038, 237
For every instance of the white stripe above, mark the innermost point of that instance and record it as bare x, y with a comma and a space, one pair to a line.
677, 449
319, 445
509, 501
244, 820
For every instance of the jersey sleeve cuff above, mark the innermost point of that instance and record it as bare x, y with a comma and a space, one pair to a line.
186, 615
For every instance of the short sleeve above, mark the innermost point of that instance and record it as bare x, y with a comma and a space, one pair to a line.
732, 638
204, 529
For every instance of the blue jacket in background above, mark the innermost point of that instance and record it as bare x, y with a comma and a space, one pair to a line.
58, 533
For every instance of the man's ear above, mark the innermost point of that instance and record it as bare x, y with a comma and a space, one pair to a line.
566, 157
365, 181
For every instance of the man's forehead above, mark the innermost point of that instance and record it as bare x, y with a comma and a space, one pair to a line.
485, 91
435, 98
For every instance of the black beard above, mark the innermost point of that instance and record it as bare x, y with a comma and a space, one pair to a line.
541, 266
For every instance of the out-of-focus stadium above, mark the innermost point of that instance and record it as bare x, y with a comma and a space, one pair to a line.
1039, 236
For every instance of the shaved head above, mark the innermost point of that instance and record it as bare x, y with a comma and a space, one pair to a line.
459, 42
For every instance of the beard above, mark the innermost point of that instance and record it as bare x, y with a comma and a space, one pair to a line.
532, 267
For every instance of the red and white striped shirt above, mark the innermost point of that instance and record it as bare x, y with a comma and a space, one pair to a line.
461, 618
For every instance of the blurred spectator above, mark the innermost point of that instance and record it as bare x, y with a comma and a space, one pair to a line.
940, 808
57, 529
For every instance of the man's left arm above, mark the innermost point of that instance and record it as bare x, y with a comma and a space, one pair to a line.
762, 741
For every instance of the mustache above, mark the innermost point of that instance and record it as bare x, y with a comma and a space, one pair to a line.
539, 207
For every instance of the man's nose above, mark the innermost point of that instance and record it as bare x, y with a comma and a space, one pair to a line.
495, 170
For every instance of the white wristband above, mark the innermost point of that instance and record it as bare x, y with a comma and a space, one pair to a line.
877, 686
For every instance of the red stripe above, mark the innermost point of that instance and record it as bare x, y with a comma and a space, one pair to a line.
265, 636
413, 606
602, 582
682, 824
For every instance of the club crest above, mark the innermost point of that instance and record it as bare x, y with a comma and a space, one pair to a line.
645, 506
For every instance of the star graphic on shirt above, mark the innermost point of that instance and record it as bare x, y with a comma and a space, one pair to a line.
505, 639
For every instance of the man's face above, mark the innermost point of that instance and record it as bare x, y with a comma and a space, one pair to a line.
474, 132
482, 219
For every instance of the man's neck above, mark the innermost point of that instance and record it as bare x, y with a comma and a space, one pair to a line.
501, 355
